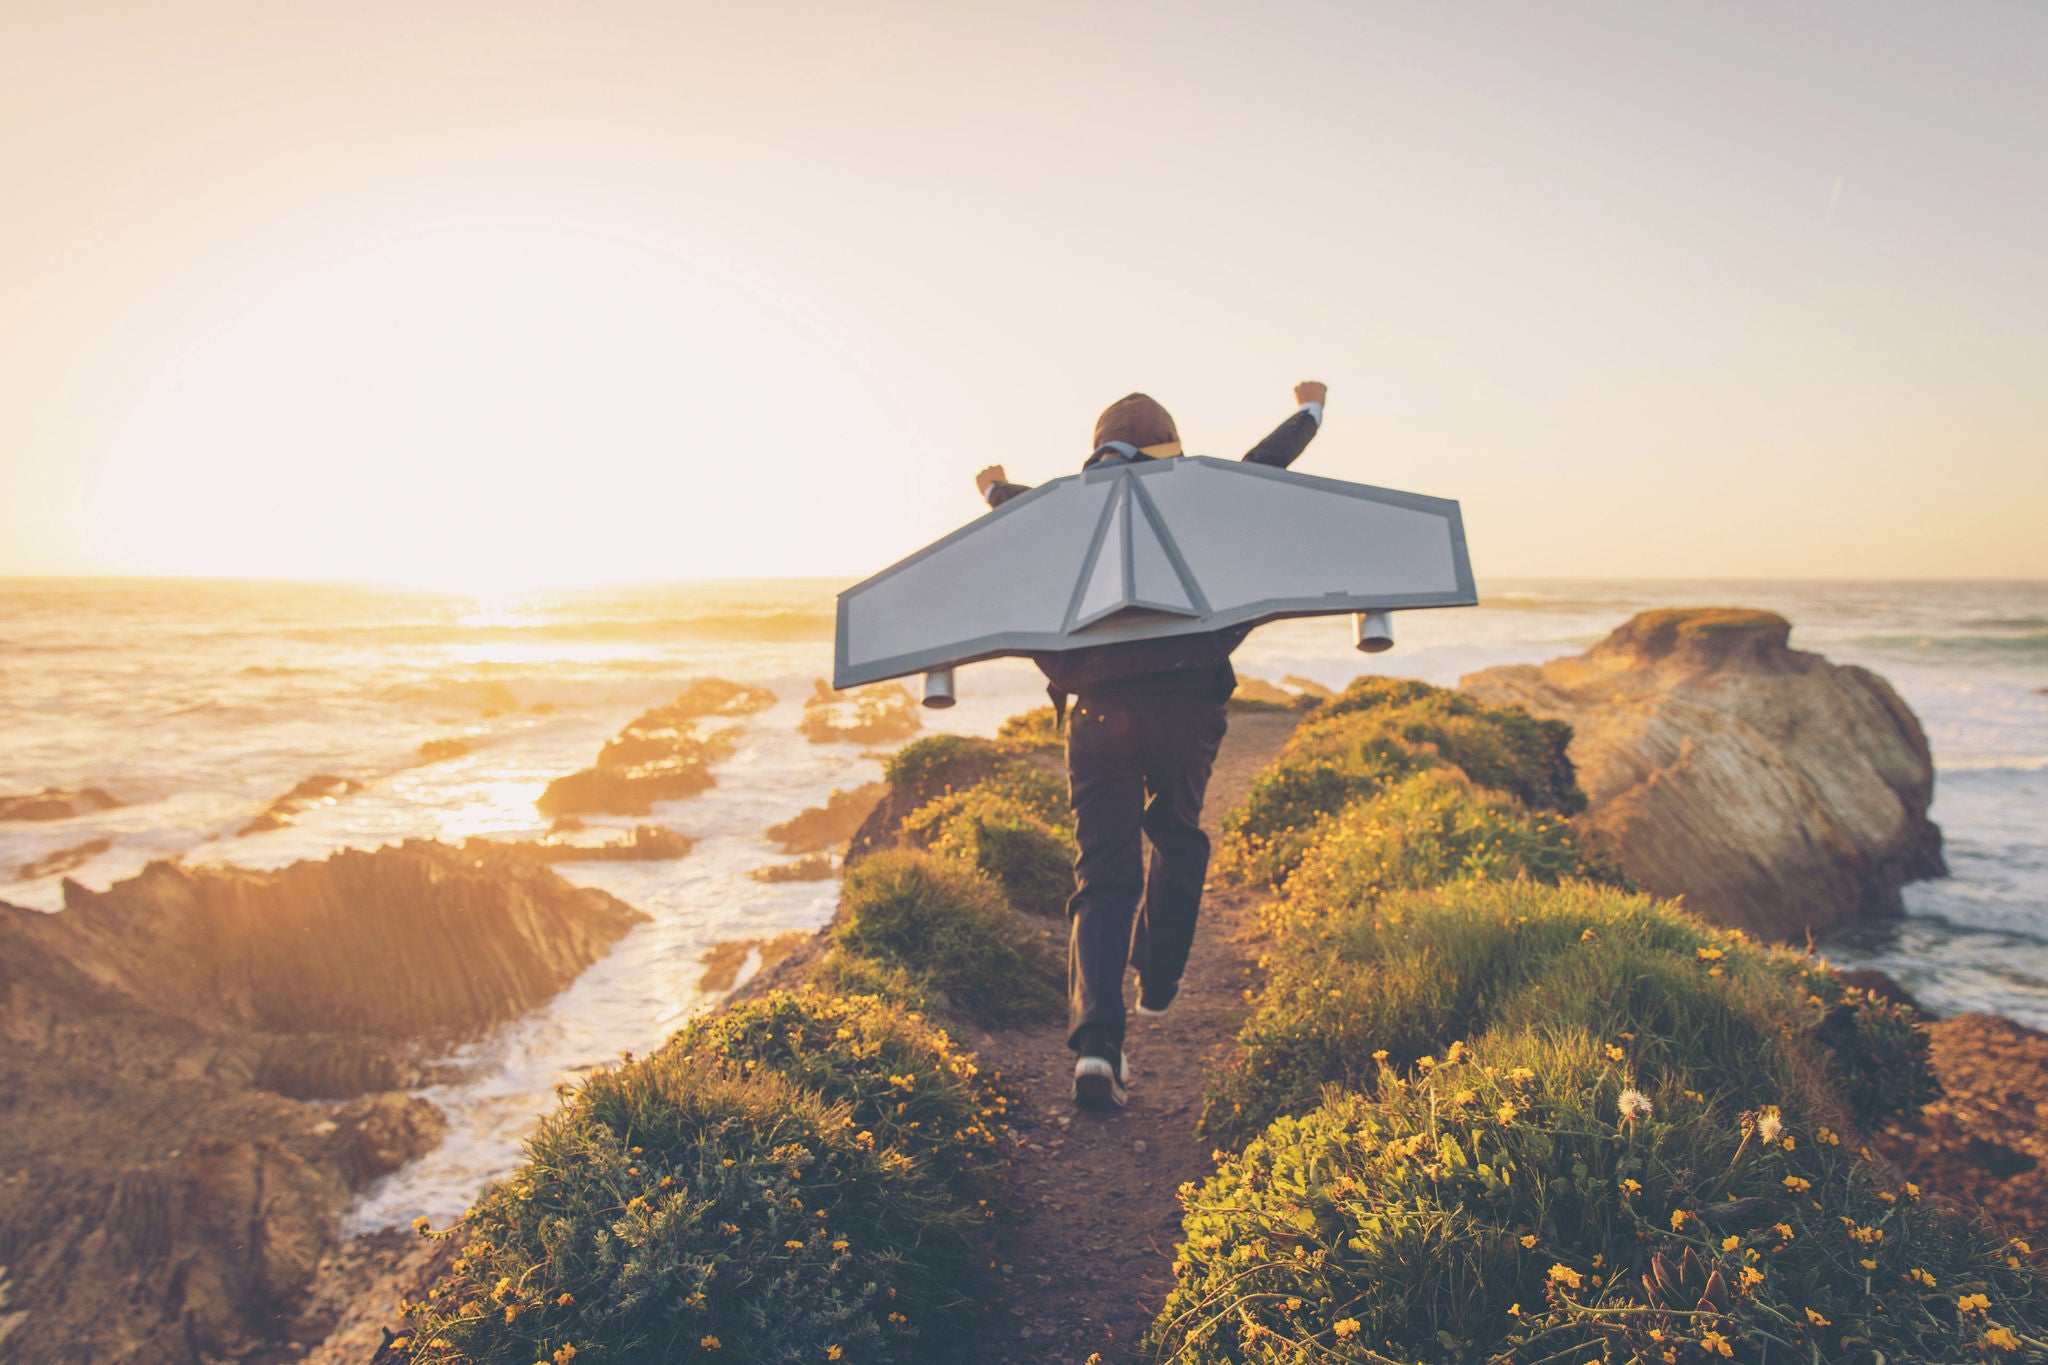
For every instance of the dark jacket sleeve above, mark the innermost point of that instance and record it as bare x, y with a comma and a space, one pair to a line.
1000, 493
1288, 440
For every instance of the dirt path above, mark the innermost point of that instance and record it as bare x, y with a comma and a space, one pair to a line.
1086, 1267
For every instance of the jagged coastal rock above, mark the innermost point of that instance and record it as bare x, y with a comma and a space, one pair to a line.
57, 803
166, 1193
1775, 791
660, 756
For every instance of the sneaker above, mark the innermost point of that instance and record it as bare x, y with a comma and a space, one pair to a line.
1098, 1085
1154, 1002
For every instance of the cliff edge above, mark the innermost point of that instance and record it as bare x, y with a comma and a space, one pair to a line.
1777, 792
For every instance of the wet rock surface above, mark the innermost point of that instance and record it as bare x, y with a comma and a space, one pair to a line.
167, 1192
662, 755
882, 714
1775, 791
57, 803
1987, 1137
318, 790
822, 828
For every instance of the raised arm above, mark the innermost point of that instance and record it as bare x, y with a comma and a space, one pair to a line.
1292, 436
996, 486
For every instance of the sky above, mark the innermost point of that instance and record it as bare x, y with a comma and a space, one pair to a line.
509, 295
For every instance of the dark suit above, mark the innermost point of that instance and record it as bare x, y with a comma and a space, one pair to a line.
1143, 737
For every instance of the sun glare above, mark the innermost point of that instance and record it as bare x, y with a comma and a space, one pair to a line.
485, 408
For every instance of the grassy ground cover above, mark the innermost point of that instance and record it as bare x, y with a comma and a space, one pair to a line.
807, 1176
1495, 1107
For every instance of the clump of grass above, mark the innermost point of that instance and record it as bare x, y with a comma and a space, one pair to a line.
1389, 981
1380, 730
952, 932
1424, 830
1035, 731
1539, 1198
676, 1207
1006, 839
902, 1078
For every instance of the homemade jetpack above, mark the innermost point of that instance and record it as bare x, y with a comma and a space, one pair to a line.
1146, 550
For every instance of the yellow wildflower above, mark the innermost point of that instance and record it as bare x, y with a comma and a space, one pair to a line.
564, 1355
1345, 1327
1614, 1053
1921, 1277
1912, 1189
1751, 1277
2002, 1339
1709, 954
1678, 1217
1973, 1303
1866, 1263
1714, 1341
1631, 1187
1798, 1184
1528, 1241
794, 1246
1816, 1319
709, 1342
1565, 1275
1379, 1054
833, 1353
840, 1245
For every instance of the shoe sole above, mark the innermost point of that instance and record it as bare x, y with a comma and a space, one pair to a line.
1146, 1012
1099, 1092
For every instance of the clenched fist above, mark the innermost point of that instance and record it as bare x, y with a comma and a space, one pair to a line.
1310, 391
989, 478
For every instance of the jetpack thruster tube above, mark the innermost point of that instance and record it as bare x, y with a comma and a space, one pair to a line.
1148, 550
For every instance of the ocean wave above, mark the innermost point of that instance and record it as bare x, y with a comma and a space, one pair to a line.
2032, 642
2022, 763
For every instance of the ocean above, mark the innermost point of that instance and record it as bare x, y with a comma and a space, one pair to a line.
197, 703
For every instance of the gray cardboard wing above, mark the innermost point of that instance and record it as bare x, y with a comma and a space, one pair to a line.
1151, 549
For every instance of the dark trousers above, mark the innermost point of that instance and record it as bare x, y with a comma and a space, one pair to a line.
1138, 765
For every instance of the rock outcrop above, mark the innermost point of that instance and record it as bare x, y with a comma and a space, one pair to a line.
660, 755
321, 789
822, 828
166, 1193
882, 714
1775, 791
57, 803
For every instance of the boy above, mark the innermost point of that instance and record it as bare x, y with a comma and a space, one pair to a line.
1147, 722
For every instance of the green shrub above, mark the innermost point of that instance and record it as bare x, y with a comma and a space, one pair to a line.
935, 761
1032, 861
1408, 974
1286, 811
945, 764
1498, 1207
949, 927
1503, 747
1420, 831
840, 972
1035, 731
1378, 731
675, 1207
901, 1076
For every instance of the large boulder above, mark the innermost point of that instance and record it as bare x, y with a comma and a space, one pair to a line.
1775, 791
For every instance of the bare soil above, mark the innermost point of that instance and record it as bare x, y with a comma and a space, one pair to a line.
1085, 1267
